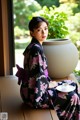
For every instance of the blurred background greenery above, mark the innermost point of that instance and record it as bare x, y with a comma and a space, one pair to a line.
24, 10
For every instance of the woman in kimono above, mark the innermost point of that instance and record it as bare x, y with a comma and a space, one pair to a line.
36, 90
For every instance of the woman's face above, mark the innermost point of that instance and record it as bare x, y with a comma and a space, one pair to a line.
41, 32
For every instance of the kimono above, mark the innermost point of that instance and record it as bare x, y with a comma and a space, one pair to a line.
34, 85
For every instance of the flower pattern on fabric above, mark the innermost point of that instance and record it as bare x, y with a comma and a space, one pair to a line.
50, 92
34, 62
74, 99
34, 81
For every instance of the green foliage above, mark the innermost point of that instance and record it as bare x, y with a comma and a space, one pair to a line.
77, 72
48, 3
73, 22
20, 32
19, 45
57, 26
23, 9
74, 36
60, 23
77, 8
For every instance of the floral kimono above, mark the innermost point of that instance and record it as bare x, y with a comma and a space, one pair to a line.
35, 91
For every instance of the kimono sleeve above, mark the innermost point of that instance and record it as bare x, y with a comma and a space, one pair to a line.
37, 71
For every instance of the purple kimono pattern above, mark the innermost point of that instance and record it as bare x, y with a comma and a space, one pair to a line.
34, 81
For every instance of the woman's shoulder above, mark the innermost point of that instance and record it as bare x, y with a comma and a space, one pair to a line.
33, 48
36, 49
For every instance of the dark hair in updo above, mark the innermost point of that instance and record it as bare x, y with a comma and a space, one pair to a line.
35, 22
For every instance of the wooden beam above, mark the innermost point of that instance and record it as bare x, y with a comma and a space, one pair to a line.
1, 44
6, 38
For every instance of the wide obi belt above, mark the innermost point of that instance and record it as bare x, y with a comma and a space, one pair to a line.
22, 75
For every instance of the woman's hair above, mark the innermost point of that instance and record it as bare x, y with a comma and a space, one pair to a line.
35, 22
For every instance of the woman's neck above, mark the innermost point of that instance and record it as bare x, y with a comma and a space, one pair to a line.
38, 41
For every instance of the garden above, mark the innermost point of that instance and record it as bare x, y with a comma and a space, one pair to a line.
66, 22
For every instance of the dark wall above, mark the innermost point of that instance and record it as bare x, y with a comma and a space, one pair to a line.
11, 34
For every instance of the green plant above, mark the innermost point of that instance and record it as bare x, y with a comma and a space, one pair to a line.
23, 9
77, 72
22, 43
56, 19
18, 32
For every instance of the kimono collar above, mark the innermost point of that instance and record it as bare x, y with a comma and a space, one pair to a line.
36, 41
32, 42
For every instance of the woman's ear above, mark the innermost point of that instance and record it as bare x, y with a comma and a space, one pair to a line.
31, 33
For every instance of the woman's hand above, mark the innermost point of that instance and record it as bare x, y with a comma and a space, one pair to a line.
53, 84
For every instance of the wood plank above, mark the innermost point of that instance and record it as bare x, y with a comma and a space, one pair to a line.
38, 114
11, 100
0, 102
54, 115
12, 103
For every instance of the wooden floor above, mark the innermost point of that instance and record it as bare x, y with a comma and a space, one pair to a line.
11, 102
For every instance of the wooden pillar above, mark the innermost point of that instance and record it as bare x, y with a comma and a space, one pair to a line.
11, 36
6, 38
1, 44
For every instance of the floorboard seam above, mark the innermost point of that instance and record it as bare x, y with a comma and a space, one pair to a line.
51, 115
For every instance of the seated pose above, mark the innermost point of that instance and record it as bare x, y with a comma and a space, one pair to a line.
36, 90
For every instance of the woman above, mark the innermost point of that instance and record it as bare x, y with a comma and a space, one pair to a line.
36, 90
